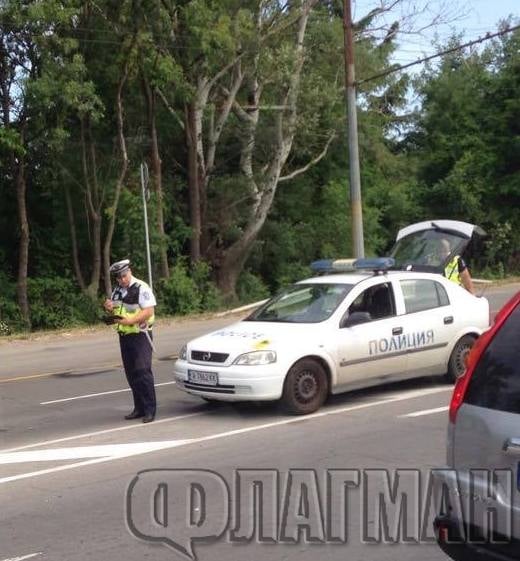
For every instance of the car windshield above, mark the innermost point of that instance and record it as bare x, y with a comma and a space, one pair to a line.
427, 247
303, 303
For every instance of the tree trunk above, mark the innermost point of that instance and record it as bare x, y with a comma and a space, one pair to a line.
120, 180
17, 164
93, 205
157, 174
229, 269
226, 279
98, 217
23, 255
193, 182
73, 239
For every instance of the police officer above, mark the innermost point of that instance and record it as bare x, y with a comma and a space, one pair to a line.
132, 306
455, 270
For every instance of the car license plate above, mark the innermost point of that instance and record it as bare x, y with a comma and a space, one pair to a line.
206, 378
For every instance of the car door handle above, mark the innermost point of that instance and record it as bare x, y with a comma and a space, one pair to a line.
397, 331
512, 447
448, 319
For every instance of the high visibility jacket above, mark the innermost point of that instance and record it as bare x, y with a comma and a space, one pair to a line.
451, 271
127, 304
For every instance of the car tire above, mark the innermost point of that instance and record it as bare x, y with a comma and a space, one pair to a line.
456, 364
305, 388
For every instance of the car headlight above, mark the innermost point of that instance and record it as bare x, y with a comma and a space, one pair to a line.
183, 352
256, 358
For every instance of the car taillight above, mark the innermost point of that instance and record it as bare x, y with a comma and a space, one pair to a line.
474, 355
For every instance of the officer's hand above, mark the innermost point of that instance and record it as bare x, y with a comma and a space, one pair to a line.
123, 321
111, 319
108, 305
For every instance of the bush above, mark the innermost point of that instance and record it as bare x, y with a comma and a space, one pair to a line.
251, 288
183, 293
10, 315
292, 272
210, 296
56, 303
497, 246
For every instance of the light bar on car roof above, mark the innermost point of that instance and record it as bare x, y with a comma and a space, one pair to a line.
333, 265
375, 264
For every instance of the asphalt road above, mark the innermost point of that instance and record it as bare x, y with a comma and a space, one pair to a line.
69, 464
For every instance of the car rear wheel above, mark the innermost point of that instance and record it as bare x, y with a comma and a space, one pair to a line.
457, 362
305, 388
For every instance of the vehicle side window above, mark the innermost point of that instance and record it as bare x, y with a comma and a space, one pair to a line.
422, 295
495, 383
442, 294
377, 300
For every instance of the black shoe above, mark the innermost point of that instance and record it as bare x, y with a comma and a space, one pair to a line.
134, 415
148, 418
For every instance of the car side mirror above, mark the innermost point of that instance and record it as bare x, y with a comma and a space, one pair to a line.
355, 318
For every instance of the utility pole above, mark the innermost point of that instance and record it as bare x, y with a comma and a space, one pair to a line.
353, 148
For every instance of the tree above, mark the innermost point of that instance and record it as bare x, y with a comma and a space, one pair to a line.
466, 138
228, 79
19, 65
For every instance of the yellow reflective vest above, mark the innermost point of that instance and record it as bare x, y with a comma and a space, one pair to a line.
126, 304
451, 271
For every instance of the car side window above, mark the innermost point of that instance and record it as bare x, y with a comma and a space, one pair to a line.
495, 383
422, 294
442, 294
377, 300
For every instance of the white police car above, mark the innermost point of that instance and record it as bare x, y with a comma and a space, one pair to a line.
338, 332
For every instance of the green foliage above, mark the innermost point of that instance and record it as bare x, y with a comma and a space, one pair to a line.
497, 245
178, 294
467, 142
9, 311
209, 295
4, 328
130, 231
55, 303
458, 157
290, 243
183, 293
311, 218
10, 141
251, 288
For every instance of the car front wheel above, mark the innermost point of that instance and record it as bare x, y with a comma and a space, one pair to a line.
457, 362
305, 388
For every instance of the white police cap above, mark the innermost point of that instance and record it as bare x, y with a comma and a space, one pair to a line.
120, 267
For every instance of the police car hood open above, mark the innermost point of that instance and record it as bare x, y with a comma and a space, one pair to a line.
420, 246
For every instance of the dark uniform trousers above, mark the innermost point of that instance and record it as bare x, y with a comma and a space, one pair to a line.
136, 352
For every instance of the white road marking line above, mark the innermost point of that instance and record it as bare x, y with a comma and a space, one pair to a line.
22, 557
96, 394
83, 396
96, 451
389, 400
426, 412
100, 432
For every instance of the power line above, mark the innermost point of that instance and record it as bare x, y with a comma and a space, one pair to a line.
439, 54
